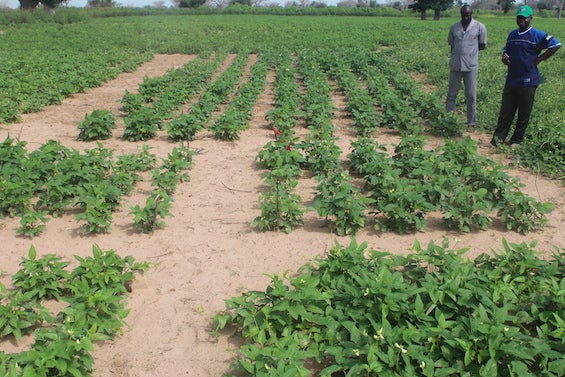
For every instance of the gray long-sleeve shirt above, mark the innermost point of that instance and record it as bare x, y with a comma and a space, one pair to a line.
465, 45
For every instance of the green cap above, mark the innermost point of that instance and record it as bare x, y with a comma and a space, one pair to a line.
524, 11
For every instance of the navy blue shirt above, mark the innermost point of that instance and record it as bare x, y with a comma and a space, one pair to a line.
523, 49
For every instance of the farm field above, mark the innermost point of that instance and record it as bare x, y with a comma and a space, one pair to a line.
208, 250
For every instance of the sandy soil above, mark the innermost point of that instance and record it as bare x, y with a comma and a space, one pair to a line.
208, 252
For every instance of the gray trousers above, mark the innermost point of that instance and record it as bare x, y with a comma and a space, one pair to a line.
470, 82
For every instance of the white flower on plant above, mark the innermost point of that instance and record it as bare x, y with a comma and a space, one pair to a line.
379, 335
401, 348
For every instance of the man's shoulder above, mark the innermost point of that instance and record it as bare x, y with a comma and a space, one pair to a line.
535, 31
478, 24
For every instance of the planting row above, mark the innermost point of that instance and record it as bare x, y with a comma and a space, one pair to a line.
401, 188
51, 180
184, 100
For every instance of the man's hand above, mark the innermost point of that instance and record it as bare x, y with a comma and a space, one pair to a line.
505, 59
547, 54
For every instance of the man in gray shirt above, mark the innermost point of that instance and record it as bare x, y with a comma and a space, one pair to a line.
466, 38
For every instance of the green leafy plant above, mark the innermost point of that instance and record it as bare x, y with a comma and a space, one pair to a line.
43, 278
522, 213
131, 102
229, 126
340, 203
280, 206
148, 218
97, 125
275, 154
59, 351
446, 125
322, 155
431, 312
466, 209
32, 223
97, 285
20, 314
165, 180
107, 269
98, 201
141, 125
403, 207
179, 159
142, 161
63, 345
184, 128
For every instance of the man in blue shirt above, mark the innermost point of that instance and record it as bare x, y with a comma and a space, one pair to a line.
522, 55
466, 38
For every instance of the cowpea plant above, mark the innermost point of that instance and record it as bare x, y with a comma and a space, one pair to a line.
432, 312
63, 343
97, 125
281, 208
340, 203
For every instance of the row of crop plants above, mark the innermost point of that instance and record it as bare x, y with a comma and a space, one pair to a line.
53, 179
401, 189
163, 102
44, 63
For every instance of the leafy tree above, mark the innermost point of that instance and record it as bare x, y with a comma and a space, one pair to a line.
48, 4
242, 2
101, 3
437, 5
29, 4
506, 5
318, 4
486, 4
191, 3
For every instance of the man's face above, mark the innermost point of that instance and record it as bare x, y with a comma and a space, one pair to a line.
523, 22
466, 16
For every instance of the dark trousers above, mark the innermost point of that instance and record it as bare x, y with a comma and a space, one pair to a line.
521, 99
